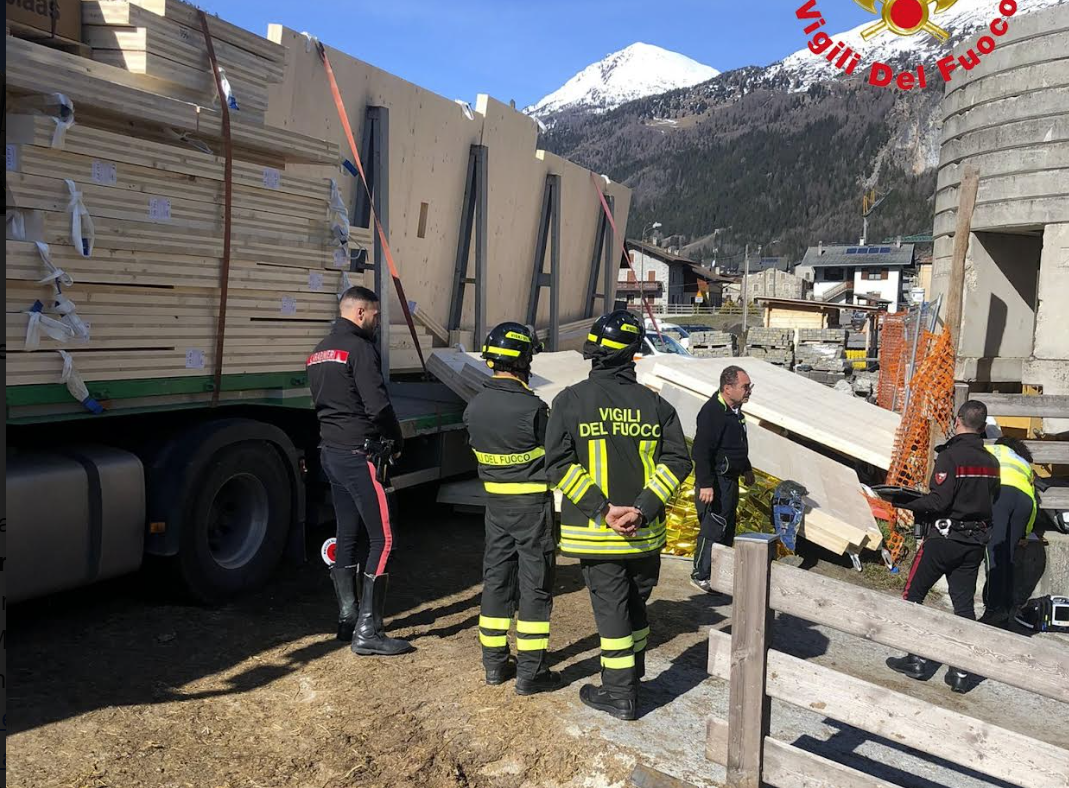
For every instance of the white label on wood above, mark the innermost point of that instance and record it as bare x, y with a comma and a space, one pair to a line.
315, 281
104, 173
194, 358
272, 178
341, 258
159, 209
12, 158
289, 305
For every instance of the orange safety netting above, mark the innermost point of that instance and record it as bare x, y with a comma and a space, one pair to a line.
930, 407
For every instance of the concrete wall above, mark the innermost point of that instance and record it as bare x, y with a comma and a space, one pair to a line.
773, 283
430, 138
1009, 118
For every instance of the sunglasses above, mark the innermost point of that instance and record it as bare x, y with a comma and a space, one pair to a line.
748, 386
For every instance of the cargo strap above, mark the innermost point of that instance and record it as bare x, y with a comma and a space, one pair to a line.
344, 118
623, 249
228, 187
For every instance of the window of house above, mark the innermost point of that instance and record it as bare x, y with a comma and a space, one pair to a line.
875, 274
833, 274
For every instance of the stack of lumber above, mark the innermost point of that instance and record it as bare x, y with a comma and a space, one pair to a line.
150, 289
774, 345
712, 344
163, 41
465, 373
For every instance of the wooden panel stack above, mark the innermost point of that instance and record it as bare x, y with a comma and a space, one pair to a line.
150, 290
162, 40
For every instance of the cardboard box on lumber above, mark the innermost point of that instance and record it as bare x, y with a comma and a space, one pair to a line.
847, 425
149, 32
38, 17
132, 14
167, 158
36, 69
844, 519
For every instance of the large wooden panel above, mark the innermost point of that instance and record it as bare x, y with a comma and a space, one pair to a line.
845, 424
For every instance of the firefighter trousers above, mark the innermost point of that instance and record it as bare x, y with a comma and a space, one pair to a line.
518, 566
619, 590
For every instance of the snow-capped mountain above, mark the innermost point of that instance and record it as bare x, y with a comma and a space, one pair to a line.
635, 72
962, 20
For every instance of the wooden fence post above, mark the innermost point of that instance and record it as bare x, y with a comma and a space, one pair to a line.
751, 630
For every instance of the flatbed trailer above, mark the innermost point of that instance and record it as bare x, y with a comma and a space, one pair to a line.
221, 495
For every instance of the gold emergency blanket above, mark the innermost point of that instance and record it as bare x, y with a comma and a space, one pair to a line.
754, 513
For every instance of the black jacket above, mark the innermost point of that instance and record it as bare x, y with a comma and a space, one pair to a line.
345, 376
964, 484
506, 424
721, 447
611, 439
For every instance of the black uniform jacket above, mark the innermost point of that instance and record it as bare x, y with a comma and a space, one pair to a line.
964, 484
721, 447
345, 376
506, 424
611, 439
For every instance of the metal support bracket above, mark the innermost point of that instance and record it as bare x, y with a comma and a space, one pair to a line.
548, 234
472, 216
601, 262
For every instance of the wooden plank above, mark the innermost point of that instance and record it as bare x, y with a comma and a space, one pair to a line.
643, 776
918, 724
1032, 664
833, 488
1054, 499
155, 33
787, 766
1055, 452
36, 69
963, 230
847, 425
139, 12
749, 709
164, 158
1051, 406
82, 169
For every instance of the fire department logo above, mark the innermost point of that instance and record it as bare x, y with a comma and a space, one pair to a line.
906, 17
940, 478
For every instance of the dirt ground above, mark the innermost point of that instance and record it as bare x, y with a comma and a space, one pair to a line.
118, 686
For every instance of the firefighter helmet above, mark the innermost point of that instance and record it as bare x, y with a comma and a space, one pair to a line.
511, 346
619, 330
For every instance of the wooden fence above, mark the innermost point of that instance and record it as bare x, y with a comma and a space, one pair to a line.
758, 674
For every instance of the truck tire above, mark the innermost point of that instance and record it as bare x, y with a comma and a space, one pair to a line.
236, 522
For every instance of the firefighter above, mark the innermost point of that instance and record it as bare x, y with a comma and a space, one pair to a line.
616, 452
956, 516
354, 411
1013, 517
507, 429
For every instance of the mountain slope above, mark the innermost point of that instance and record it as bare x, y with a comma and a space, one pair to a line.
637, 71
783, 152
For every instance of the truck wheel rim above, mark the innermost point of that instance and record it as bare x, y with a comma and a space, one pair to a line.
237, 521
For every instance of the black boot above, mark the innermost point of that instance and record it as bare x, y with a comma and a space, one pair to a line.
499, 674
957, 680
996, 617
345, 589
368, 641
910, 665
640, 664
546, 681
600, 699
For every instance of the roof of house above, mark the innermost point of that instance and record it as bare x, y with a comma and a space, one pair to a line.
822, 305
669, 257
854, 256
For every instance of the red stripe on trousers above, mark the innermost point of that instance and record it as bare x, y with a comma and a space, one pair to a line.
913, 570
384, 515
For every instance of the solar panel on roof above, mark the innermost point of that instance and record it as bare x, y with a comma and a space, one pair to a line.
852, 250
885, 250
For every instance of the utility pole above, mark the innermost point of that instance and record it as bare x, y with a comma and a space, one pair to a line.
745, 296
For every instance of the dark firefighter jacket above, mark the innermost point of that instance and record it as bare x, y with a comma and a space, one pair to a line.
506, 424
345, 376
964, 484
611, 439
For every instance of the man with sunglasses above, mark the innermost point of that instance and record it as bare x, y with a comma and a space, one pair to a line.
721, 456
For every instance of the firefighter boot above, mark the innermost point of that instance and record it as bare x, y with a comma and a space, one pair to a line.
910, 665
499, 674
344, 579
601, 699
640, 664
546, 681
368, 641
957, 680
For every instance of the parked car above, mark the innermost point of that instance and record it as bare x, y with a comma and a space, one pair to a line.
663, 345
673, 329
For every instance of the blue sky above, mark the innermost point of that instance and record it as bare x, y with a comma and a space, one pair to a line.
523, 50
